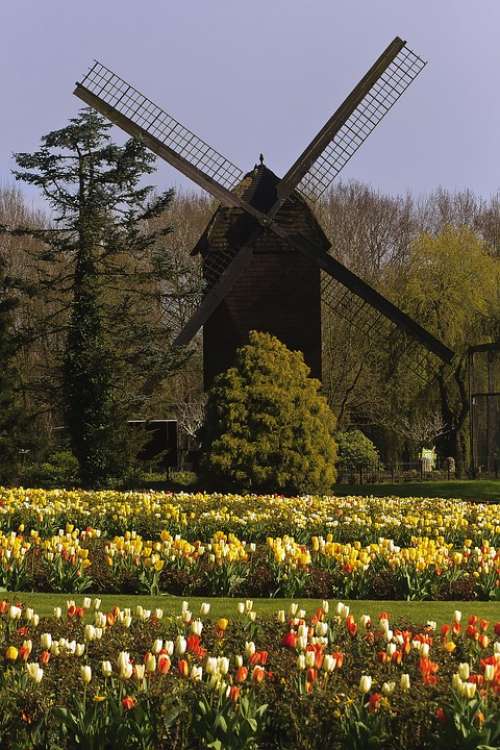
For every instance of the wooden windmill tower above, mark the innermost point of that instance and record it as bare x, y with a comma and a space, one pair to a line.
263, 251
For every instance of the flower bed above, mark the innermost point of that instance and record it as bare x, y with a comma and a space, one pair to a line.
86, 678
252, 517
340, 547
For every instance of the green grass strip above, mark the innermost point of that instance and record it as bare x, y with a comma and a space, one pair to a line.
416, 612
483, 490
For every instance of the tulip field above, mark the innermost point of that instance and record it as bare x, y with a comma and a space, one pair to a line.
92, 673
230, 545
89, 678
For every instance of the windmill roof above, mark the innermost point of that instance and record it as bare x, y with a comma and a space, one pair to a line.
229, 227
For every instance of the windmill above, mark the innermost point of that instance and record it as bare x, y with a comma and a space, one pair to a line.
258, 211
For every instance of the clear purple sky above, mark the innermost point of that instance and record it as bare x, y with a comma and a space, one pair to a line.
264, 75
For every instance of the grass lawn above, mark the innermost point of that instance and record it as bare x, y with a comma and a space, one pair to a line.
469, 489
417, 612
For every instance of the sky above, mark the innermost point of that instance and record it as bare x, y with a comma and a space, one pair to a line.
265, 75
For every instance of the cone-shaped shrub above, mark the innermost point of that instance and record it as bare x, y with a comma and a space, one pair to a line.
267, 427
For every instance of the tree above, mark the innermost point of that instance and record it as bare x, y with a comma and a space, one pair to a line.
356, 451
14, 424
452, 286
100, 275
267, 427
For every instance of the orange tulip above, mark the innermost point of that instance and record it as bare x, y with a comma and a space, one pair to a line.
129, 702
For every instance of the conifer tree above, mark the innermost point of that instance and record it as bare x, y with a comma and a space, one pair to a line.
100, 276
14, 424
267, 427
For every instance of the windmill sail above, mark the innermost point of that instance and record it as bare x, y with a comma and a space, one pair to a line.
138, 116
360, 113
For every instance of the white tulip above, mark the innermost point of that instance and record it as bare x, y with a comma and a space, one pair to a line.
46, 641
35, 671
464, 671
405, 682
106, 668
180, 645
86, 674
365, 684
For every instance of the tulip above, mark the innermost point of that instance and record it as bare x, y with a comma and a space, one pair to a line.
196, 627
302, 642
329, 663
34, 671
469, 690
388, 688
164, 663
35, 620
106, 668
365, 684
46, 640
196, 673
86, 674
183, 667
204, 609
211, 665
97, 604
87, 602
150, 662
14, 612
249, 648
241, 608
44, 657
293, 609
301, 661
281, 615
365, 621
258, 674
89, 632
489, 672
222, 624
241, 674
139, 671
11, 653
129, 702
158, 613
223, 665
180, 645
405, 682
80, 649
457, 616
238, 661
464, 671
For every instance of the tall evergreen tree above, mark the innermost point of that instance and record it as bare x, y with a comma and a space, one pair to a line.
14, 425
101, 274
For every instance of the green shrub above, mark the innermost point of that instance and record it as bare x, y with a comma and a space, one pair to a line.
267, 427
60, 470
356, 452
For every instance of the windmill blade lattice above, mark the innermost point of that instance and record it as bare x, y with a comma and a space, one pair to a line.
109, 88
376, 332
381, 97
